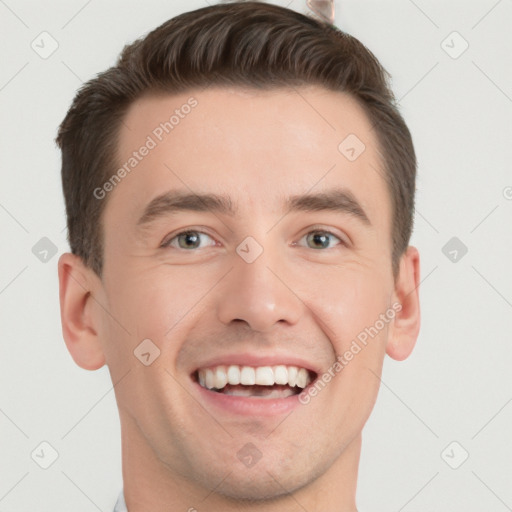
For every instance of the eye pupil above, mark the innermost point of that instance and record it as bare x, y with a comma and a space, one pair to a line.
322, 239
188, 236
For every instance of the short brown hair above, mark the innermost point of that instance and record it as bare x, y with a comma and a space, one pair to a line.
249, 44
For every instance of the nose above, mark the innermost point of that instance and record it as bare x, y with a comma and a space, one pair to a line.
260, 294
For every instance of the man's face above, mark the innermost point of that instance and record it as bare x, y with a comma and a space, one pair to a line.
273, 283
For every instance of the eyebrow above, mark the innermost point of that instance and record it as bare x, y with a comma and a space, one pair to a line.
337, 200
174, 201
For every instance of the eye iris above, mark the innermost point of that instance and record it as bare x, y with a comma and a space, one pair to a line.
189, 235
322, 238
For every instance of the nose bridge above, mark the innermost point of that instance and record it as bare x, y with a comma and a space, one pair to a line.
255, 290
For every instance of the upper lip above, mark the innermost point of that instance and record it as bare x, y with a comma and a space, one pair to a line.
254, 360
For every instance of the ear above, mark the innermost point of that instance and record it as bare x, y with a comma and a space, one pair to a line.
407, 320
79, 316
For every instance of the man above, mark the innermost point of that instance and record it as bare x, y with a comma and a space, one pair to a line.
240, 193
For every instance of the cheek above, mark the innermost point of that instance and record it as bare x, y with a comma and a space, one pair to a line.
153, 303
351, 304
348, 301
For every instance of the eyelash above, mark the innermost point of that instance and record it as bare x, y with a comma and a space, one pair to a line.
167, 243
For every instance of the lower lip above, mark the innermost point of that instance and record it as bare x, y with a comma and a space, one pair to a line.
249, 406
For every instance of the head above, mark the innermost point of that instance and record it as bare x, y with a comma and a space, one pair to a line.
240, 186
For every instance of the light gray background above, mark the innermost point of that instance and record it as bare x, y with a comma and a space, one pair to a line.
457, 385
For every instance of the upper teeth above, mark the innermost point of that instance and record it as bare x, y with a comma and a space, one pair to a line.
219, 376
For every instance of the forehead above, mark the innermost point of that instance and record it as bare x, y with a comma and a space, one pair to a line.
258, 147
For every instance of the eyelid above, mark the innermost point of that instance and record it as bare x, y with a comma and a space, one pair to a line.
342, 237
198, 229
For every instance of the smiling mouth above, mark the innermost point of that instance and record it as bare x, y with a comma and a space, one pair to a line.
281, 381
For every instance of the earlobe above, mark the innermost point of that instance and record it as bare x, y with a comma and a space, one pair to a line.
78, 317
407, 320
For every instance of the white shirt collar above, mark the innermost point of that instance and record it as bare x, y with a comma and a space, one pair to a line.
120, 503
